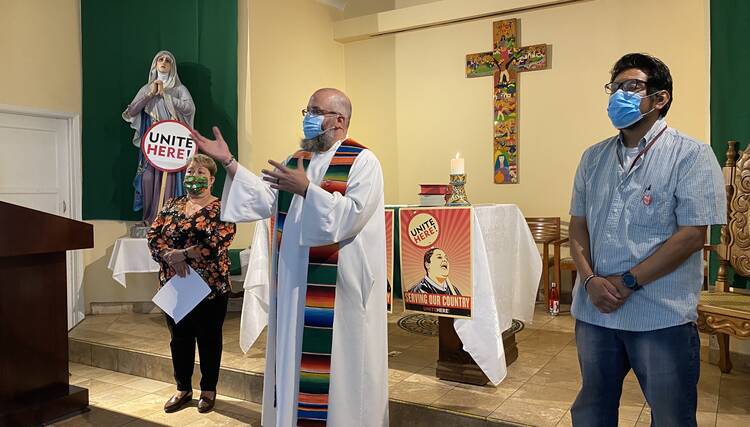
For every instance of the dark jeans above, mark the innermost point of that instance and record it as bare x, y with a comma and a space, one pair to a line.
203, 325
666, 363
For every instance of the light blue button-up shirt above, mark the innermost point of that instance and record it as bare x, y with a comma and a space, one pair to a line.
630, 213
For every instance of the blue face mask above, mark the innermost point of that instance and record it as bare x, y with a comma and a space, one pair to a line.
312, 126
624, 108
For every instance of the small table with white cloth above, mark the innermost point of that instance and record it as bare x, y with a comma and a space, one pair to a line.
131, 255
506, 273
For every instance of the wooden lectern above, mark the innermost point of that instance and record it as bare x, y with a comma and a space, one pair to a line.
34, 387
455, 364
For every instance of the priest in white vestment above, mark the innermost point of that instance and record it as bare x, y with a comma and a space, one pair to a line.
358, 391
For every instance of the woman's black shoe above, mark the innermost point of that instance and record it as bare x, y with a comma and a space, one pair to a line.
206, 404
174, 403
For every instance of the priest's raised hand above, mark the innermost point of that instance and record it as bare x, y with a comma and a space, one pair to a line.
216, 148
284, 178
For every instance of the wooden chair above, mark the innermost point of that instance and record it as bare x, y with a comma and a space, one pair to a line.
707, 249
721, 311
546, 231
563, 264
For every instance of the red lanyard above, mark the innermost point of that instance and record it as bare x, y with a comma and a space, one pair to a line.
648, 147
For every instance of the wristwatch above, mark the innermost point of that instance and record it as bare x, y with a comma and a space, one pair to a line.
630, 282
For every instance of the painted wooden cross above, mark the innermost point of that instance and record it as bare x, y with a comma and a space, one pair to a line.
504, 63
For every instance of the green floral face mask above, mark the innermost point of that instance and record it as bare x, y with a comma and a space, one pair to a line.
195, 184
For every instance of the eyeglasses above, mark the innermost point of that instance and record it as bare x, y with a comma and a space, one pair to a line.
632, 85
318, 112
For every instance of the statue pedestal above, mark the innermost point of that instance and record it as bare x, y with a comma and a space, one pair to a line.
138, 231
454, 364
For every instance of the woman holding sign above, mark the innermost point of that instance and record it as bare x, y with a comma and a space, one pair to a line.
164, 97
189, 232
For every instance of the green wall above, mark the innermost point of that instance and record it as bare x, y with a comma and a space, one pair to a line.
730, 91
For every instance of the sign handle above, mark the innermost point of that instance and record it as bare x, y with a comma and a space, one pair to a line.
163, 187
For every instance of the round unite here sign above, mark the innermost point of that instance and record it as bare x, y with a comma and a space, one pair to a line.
168, 146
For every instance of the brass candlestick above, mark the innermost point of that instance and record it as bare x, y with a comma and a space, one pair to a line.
458, 194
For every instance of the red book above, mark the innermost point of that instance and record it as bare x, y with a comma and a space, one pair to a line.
434, 189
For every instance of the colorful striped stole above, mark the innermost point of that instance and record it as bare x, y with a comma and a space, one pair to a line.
317, 335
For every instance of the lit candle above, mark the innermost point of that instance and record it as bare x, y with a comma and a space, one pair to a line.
457, 166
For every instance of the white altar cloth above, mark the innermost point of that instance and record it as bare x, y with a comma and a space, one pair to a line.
131, 255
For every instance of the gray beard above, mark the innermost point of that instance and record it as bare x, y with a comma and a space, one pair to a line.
317, 144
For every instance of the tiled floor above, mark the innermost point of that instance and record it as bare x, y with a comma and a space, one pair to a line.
118, 399
539, 389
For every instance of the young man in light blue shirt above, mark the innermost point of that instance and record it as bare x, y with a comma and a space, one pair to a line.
642, 201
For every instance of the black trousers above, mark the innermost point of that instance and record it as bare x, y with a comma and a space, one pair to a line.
203, 325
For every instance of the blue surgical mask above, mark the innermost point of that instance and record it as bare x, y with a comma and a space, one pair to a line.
312, 126
624, 108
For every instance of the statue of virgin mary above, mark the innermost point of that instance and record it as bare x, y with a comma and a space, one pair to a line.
163, 98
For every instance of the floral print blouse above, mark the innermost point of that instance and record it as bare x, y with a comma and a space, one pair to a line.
172, 229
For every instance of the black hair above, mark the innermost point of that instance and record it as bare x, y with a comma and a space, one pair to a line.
428, 257
659, 77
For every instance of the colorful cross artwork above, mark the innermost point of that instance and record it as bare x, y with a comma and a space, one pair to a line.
504, 63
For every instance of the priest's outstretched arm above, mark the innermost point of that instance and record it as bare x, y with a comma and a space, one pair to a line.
246, 197
329, 218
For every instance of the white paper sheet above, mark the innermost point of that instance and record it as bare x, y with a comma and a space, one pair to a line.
180, 295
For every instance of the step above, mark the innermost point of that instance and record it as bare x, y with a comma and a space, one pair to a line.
248, 385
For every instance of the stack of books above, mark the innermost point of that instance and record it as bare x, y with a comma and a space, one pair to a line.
434, 194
